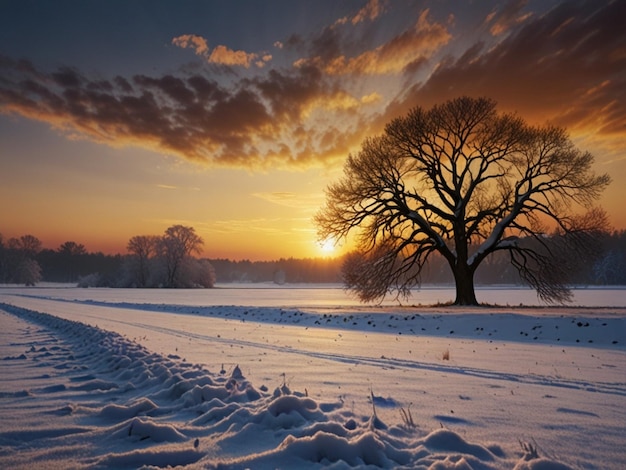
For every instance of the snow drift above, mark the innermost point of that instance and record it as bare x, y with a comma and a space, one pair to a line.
82, 397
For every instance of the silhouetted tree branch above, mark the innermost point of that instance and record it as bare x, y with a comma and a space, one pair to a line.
464, 181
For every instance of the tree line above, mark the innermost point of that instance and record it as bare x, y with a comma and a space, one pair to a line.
24, 261
152, 261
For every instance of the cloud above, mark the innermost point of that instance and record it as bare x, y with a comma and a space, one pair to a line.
267, 226
255, 123
510, 16
191, 41
220, 54
372, 10
567, 66
373, 97
301, 201
225, 56
394, 56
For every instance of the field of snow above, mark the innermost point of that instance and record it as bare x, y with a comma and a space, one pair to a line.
250, 378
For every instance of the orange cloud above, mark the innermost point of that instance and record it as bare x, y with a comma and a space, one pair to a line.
394, 56
220, 54
258, 123
373, 97
225, 56
509, 17
191, 41
567, 67
305, 202
372, 10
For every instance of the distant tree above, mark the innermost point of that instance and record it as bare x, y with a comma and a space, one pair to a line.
142, 248
178, 243
28, 272
19, 256
3, 261
70, 253
464, 181
610, 268
90, 280
198, 273
72, 249
27, 245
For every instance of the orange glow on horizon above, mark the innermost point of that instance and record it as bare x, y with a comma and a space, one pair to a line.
238, 135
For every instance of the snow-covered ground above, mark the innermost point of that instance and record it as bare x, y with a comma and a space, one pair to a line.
104, 378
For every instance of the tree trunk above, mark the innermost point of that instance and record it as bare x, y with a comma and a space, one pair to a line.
464, 281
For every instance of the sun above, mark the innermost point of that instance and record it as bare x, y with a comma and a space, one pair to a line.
327, 246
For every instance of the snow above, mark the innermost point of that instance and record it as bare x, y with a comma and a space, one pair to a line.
148, 379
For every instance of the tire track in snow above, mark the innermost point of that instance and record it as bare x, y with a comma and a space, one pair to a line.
618, 389
384, 362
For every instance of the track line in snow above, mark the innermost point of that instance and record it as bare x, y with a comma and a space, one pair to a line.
617, 388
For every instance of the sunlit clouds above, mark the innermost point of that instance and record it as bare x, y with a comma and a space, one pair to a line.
192, 117
191, 41
565, 64
221, 54
394, 56
371, 11
244, 88
507, 16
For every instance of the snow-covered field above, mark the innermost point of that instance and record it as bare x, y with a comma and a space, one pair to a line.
273, 378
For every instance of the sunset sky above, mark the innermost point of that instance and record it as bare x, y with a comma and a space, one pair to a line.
122, 118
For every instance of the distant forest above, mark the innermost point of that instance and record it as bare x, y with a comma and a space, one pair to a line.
23, 261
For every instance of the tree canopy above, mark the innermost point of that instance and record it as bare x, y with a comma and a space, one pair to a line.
465, 181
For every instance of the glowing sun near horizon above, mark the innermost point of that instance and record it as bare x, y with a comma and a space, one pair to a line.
327, 246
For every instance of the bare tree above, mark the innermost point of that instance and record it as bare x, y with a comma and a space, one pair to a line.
27, 245
70, 253
142, 248
20, 263
72, 249
178, 243
3, 261
465, 181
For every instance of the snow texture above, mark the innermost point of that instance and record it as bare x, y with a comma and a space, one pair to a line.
93, 384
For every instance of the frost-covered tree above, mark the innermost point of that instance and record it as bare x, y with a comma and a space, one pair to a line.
4, 261
20, 265
28, 272
197, 273
142, 249
465, 181
178, 243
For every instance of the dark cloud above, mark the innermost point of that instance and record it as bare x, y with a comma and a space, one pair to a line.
402, 52
567, 66
289, 92
123, 84
327, 45
67, 78
173, 87
190, 116
510, 15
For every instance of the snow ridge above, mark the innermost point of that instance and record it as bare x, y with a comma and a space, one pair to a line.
116, 404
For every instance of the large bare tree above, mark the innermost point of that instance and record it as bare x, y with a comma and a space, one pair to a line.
464, 181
